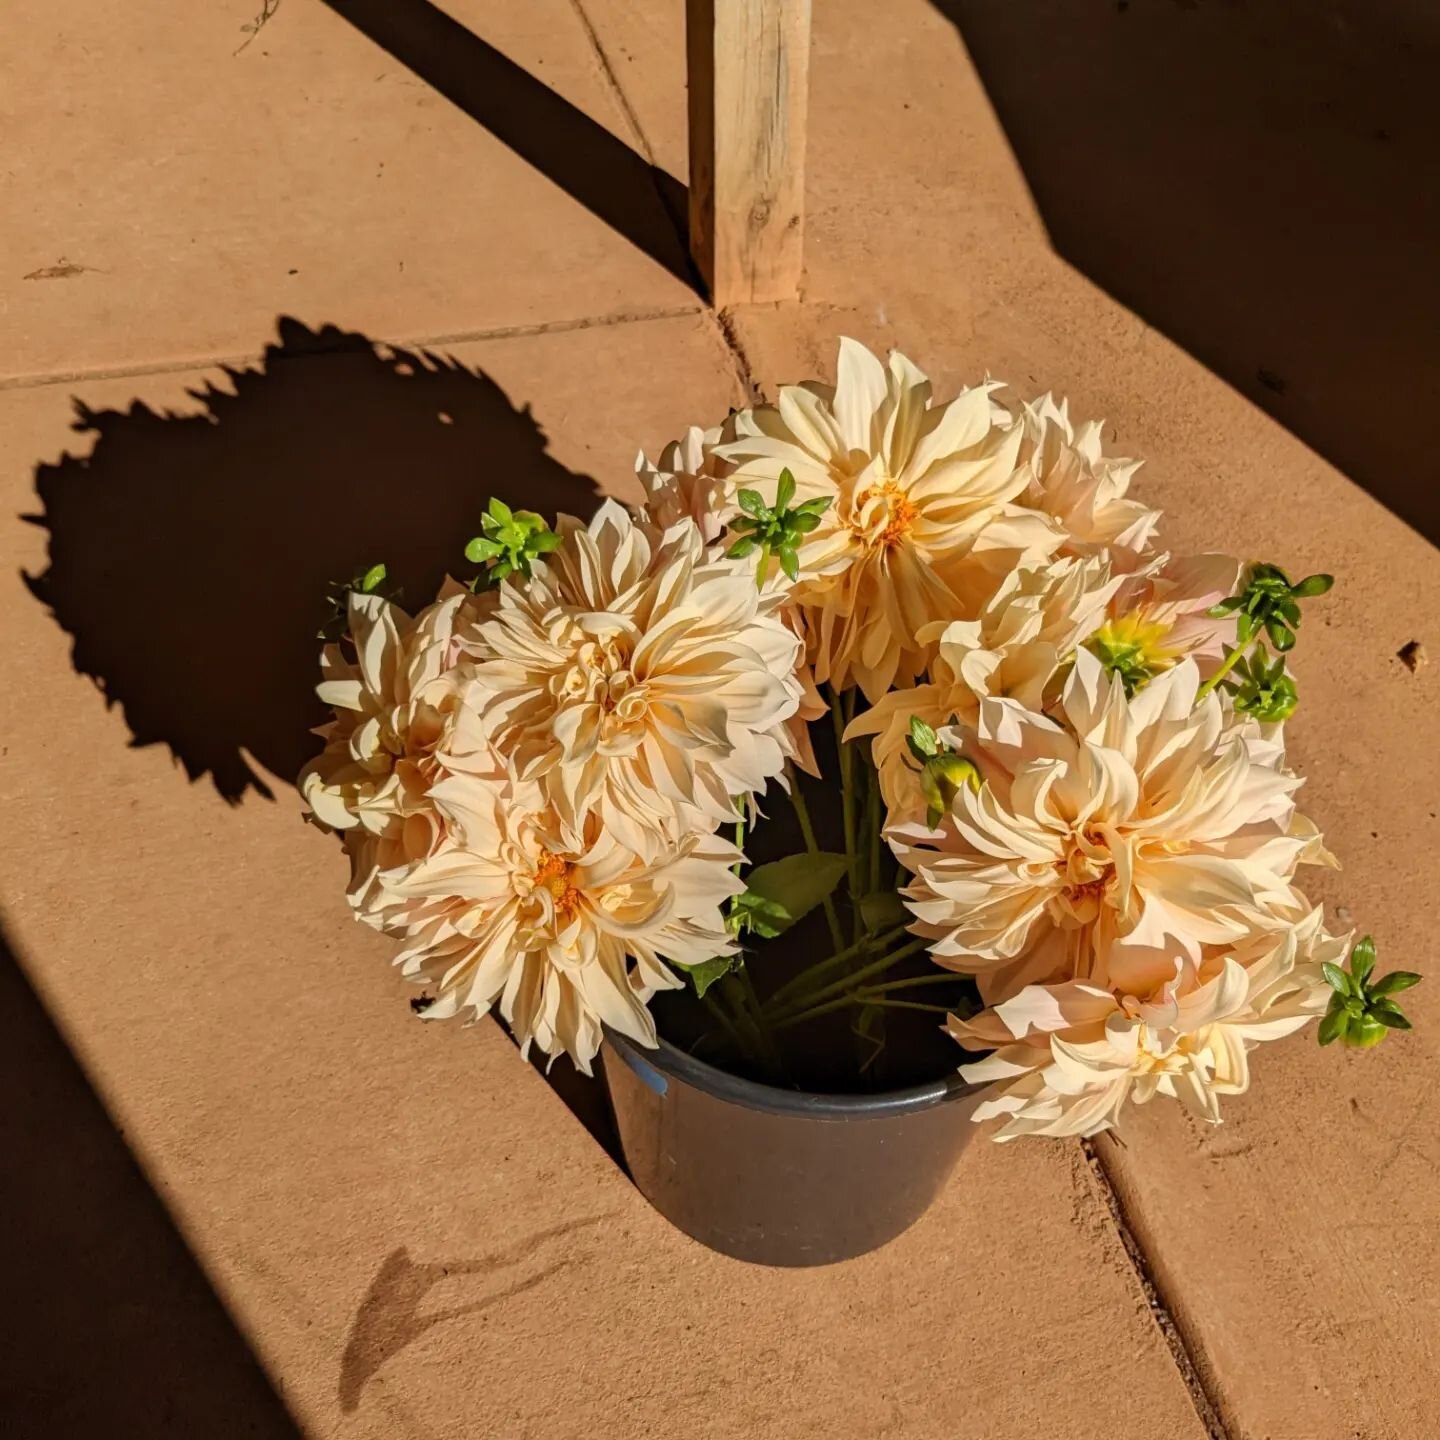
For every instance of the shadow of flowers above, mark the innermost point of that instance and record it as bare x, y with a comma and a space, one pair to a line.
190, 553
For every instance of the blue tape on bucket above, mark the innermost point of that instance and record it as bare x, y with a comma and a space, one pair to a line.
649, 1074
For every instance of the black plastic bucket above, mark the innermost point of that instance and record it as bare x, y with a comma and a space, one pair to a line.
781, 1177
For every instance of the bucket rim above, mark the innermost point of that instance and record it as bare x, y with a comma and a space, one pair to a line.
668, 1059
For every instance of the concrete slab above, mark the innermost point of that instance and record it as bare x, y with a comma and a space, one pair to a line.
173, 180
1292, 1244
411, 1230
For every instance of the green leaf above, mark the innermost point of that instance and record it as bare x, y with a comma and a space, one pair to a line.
1362, 958
500, 512
545, 542
1226, 607
804, 523
753, 503
1313, 585
789, 562
1333, 1027
1394, 983
707, 972
1244, 628
1337, 979
785, 891
923, 734
479, 550
741, 548
883, 910
817, 506
784, 491
1389, 1014
372, 580
502, 571
1282, 637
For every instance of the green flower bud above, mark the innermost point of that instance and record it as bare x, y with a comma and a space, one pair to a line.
940, 778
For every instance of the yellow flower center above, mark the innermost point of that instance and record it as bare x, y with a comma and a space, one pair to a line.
554, 874
884, 516
1133, 647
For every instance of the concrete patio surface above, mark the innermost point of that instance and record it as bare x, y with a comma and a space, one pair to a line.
262, 288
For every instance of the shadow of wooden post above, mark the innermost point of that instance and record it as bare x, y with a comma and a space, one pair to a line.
749, 66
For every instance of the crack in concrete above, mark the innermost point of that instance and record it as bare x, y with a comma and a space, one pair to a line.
1207, 1405
408, 342
723, 320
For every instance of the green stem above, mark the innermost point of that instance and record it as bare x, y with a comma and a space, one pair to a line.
807, 830
872, 823
847, 795
949, 977
1226, 666
850, 983
801, 982
866, 998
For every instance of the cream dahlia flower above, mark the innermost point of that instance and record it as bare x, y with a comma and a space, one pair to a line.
562, 933
921, 523
1160, 614
688, 482
1015, 648
1101, 846
1082, 490
399, 719
647, 680
1067, 1056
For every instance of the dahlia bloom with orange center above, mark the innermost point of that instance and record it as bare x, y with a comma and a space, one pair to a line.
921, 526
1105, 842
1027, 630
647, 679
1067, 1056
562, 931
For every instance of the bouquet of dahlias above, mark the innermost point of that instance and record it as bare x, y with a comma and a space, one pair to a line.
878, 719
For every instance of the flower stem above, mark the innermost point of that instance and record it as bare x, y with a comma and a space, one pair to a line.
850, 983
1226, 666
800, 983
847, 795
807, 830
872, 823
857, 997
946, 977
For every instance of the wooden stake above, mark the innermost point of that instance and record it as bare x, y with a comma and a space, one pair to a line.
749, 68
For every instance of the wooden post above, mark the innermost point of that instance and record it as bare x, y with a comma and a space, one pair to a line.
749, 68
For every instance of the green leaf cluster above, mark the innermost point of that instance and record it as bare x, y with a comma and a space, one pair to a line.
1270, 603
510, 541
1262, 688
337, 600
1361, 1011
775, 529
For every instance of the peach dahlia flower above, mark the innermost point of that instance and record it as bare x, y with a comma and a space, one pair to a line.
1067, 1056
398, 713
644, 678
688, 482
1101, 846
921, 523
1083, 490
561, 931
1027, 630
